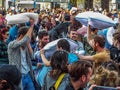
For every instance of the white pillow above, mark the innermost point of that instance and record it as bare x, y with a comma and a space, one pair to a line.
17, 19
95, 19
21, 18
100, 21
110, 33
31, 15
51, 47
83, 17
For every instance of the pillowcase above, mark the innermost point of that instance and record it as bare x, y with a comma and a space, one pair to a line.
95, 19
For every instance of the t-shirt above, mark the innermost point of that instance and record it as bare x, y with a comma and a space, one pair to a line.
101, 57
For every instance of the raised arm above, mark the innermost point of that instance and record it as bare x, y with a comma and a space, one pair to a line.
89, 35
22, 40
29, 33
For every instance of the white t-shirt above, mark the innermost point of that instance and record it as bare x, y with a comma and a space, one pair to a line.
24, 66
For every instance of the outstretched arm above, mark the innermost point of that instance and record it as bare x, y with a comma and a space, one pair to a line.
82, 57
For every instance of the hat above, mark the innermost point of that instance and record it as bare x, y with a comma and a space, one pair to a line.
11, 74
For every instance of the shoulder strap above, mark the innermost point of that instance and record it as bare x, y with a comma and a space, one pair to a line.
59, 81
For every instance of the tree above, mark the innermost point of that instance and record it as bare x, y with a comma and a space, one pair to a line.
73, 3
105, 4
88, 4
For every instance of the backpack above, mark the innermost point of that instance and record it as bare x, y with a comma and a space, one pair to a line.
57, 83
115, 54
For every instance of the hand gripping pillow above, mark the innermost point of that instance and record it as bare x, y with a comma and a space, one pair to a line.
21, 18
31, 15
95, 19
50, 48
17, 19
100, 21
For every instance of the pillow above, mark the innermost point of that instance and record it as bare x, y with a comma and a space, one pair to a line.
95, 19
31, 15
110, 33
51, 47
73, 44
17, 19
83, 17
21, 18
82, 31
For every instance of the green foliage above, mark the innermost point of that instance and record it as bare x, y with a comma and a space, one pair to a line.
73, 3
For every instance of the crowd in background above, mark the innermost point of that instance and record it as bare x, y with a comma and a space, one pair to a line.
23, 44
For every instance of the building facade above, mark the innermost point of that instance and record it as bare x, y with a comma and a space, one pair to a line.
42, 4
96, 4
82, 4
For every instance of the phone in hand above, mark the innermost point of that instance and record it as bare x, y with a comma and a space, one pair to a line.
104, 88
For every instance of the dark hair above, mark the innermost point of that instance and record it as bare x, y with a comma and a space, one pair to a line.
59, 63
3, 31
72, 28
43, 23
67, 17
100, 40
12, 75
76, 24
48, 25
93, 29
79, 68
22, 30
42, 33
64, 44
116, 36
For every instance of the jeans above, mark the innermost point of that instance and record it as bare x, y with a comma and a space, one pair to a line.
27, 82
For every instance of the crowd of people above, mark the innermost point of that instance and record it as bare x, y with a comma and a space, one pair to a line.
26, 65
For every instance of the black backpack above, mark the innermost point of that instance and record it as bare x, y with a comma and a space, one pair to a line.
115, 54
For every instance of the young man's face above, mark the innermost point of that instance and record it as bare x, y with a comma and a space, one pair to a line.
45, 40
86, 79
94, 45
73, 35
116, 43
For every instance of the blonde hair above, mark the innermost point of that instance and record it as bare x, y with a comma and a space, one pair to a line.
105, 77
